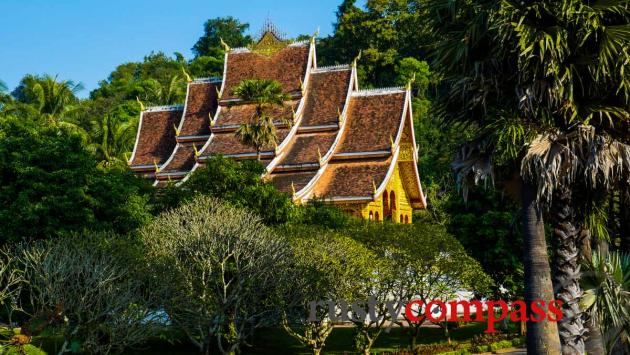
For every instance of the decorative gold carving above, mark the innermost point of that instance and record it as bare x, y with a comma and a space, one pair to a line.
406, 152
269, 44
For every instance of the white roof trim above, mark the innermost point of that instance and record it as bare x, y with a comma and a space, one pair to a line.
164, 108
379, 91
332, 68
207, 80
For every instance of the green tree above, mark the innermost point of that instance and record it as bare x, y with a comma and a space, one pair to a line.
228, 29
606, 298
265, 95
239, 183
219, 271
89, 286
53, 100
52, 185
326, 266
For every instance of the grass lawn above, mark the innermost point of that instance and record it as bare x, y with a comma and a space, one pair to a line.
277, 341
341, 341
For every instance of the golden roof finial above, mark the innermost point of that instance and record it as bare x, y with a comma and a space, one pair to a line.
374, 186
315, 35
339, 115
293, 188
218, 92
195, 149
319, 155
188, 78
356, 59
157, 168
225, 45
176, 130
142, 108
411, 81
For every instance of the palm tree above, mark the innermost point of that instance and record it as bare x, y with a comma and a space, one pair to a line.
168, 93
265, 95
112, 138
560, 163
53, 99
607, 297
514, 70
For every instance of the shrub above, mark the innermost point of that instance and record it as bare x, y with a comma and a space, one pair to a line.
217, 269
88, 286
500, 345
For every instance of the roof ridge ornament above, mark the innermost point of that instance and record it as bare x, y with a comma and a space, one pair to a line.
188, 78
142, 108
356, 59
176, 130
225, 45
410, 82
197, 153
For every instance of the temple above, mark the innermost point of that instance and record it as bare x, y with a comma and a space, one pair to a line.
354, 148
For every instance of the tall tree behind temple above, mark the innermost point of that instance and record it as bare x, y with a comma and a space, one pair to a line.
228, 29
385, 31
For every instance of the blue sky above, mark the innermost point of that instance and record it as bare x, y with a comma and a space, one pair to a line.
84, 40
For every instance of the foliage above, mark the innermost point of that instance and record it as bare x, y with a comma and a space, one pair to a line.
227, 29
384, 31
326, 267
429, 264
487, 228
606, 281
218, 270
260, 130
53, 100
87, 286
52, 186
237, 182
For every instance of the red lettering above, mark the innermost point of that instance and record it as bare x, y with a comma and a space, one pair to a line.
518, 314
537, 310
555, 307
491, 315
429, 313
409, 313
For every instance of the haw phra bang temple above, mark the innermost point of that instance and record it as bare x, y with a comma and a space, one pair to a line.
350, 147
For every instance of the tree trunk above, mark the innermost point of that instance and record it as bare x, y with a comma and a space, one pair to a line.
624, 199
542, 337
567, 279
595, 342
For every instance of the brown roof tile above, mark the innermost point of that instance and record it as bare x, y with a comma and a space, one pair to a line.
304, 148
372, 121
156, 140
201, 105
228, 144
326, 97
182, 160
288, 66
283, 181
352, 179
239, 114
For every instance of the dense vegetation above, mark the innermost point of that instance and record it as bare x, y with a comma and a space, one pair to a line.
529, 98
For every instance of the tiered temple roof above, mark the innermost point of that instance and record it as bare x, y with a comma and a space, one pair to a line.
343, 144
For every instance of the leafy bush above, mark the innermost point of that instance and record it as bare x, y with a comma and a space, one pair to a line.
236, 182
89, 287
51, 185
503, 344
217, 269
